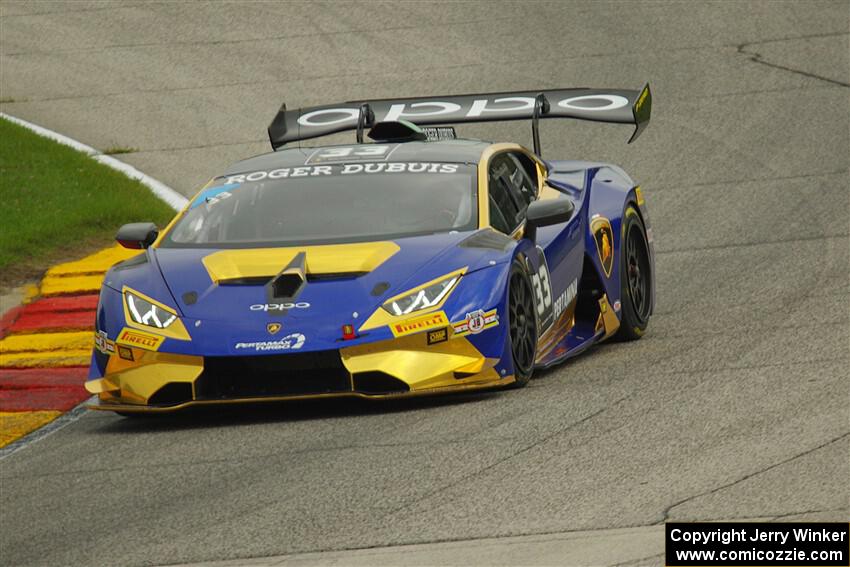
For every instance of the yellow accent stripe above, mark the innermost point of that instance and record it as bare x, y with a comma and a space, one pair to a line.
77, 340
327, 259
16, 424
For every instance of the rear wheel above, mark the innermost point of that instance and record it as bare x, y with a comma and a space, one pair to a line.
635, 277
522, 323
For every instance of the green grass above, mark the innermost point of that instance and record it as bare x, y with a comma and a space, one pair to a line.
59, 204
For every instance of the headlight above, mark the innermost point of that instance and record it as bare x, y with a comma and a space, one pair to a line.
422, 298
144, 312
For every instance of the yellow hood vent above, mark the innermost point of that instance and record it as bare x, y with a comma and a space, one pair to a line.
338, 259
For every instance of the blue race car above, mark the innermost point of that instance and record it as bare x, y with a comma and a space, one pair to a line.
416, 264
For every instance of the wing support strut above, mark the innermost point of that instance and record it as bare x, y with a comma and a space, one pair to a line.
541, 107
365, 119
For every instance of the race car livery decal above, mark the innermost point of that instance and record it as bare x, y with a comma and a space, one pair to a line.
507, 106
292, 341
399, 167
541, 285
103, 344
475, 322
438, 336
214, 194
565, 298
351, 153
604, 237
139, 339
564, 310
601, 105
279, 306
346, 169
126, 353
439, 132
280, 173
273, 328
418, 324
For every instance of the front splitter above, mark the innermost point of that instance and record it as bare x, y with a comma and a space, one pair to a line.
460, 388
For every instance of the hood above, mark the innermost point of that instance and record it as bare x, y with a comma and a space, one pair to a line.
344, 283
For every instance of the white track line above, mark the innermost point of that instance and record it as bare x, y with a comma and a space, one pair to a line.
161, 190
50, 428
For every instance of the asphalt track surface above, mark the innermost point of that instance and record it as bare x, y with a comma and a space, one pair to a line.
735, 405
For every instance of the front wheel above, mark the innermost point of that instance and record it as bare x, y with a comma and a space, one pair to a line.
522, 323
635, 277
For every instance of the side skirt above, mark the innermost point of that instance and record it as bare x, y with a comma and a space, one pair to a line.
580, 337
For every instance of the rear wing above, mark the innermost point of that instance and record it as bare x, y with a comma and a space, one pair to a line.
600, 105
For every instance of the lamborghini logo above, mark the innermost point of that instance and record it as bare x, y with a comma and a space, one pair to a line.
604, 237
273, 328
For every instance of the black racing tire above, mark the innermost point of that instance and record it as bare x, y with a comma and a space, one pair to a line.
522, 324
635, 277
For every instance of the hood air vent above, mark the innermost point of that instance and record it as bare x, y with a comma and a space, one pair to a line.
288, 283
263, 280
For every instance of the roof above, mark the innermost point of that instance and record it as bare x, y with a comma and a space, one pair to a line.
451, 151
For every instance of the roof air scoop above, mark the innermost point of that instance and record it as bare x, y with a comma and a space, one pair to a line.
397, 131
290, 281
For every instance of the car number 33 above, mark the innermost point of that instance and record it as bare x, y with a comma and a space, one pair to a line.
542, 289
541, 283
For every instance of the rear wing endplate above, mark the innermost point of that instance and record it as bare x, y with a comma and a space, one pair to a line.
600, 105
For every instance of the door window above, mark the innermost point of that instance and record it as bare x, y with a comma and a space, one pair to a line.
511, 190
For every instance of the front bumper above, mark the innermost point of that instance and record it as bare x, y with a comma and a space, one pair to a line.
406, 366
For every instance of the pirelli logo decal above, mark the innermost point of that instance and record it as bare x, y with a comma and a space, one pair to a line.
139, 339
423, 323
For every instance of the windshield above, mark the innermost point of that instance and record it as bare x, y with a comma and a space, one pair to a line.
352, 202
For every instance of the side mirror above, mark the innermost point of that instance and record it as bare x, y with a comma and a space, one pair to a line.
545, 213
137, 235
